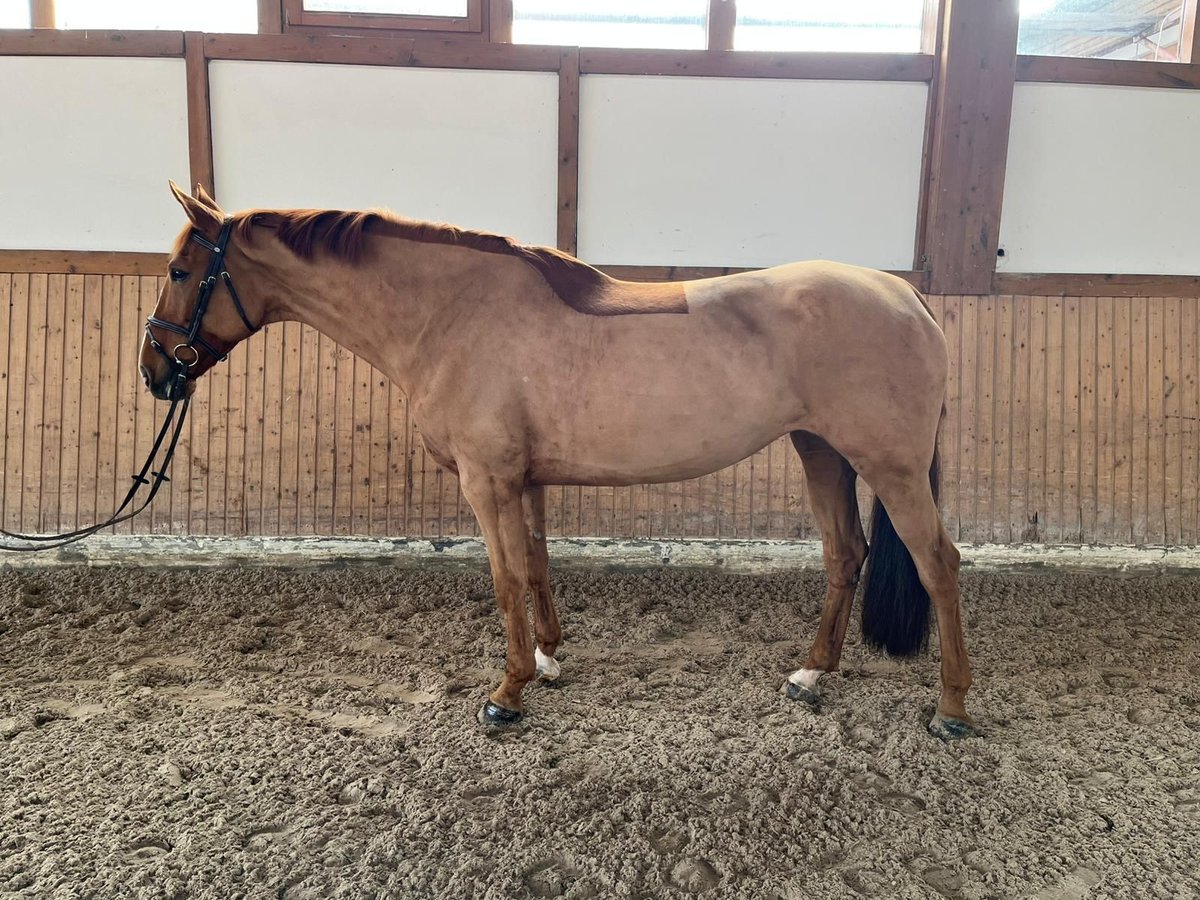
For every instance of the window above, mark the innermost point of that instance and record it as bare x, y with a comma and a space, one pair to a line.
422, 15
171, 15
451, 8
885, 26
15, 14
1107, 29
668, 24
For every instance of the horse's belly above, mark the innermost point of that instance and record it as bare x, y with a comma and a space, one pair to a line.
673, 448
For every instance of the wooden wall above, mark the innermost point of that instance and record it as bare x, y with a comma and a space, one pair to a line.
1070, 419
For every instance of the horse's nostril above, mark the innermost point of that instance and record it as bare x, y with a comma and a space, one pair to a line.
145, 375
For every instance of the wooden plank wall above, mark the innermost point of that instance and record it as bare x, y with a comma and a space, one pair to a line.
1069, 420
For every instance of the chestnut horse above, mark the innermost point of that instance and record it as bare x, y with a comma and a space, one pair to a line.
524, 367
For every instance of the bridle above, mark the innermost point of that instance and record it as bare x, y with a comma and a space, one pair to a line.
191, 331
176, 393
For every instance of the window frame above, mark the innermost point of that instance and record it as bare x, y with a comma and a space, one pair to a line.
1189, 45
294, 13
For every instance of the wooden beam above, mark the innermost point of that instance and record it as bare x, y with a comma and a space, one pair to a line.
270, 17
722, 14
83, 262
849, 66
383, 51
1069, 285
200, 151
44, 42
931, 42
106, 262
43, 14
500, 20
568, 151
977, 70
1189, 35
931, 26
472, 22
1130, 72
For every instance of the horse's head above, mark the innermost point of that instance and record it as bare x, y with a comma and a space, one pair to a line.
200, 314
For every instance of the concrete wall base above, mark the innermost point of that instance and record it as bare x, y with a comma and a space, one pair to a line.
598, 554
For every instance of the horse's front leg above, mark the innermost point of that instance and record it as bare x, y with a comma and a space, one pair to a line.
496, 502
545, 616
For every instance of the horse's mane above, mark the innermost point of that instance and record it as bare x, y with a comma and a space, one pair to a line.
342, 234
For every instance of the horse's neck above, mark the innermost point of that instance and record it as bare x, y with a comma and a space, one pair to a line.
393, 309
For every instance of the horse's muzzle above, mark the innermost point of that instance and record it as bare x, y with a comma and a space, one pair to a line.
171, 387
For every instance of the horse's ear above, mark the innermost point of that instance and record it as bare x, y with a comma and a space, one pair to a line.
199, 214
206, 198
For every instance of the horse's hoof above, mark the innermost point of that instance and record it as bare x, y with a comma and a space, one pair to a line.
493, 715
951, 729
548, 668
804, 694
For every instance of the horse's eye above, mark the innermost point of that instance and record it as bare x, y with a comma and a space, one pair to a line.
179, 275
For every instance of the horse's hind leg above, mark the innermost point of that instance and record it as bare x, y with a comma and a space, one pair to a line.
831, 485
545, 617
909, 503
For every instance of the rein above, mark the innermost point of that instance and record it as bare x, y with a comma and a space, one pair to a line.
176, 394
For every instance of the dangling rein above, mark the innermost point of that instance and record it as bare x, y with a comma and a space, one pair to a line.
176, 415
179, 404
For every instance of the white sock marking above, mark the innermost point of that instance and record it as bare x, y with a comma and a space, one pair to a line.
547, 666
806, 677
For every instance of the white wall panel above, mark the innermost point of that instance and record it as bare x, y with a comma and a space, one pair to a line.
477, 149
748, 172
1101, 179
86, 148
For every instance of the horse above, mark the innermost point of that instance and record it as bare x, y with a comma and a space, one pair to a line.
524, 367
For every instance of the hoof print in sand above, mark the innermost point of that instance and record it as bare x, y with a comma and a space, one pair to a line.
945, 880
148, 849
1075, 886
481, 796
695, 876
866, 883
1120, 680
668, 840
881, 786
1188, 807
261, 838
1144, 715
551, 877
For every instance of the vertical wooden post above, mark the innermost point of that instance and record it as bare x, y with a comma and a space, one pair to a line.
42, 14
500, 21
270, 17
976, 71
721, 17
200, 151
931, 26
568, 151
931, 42
1189, 35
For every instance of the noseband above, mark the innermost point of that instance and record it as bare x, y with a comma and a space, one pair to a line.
176, 393
190, 332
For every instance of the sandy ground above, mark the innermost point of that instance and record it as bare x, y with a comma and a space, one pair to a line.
312, 734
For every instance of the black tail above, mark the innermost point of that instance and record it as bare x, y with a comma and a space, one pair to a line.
895, 612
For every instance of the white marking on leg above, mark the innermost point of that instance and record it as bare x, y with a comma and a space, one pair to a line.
547, 666
806, 677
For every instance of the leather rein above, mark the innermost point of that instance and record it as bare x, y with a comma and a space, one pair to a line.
177, 394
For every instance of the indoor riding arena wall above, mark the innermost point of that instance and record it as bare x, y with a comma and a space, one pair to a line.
1073, 409
1068, 420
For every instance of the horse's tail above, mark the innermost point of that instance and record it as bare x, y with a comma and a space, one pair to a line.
895, 612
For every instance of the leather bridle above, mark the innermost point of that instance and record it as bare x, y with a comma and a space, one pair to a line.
176, 393
191, 331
